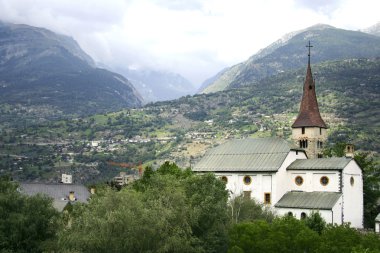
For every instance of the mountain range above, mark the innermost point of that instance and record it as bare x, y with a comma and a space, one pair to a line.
156, 85
289, 53
40, 69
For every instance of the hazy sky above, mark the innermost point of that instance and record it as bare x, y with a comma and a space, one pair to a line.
195, 38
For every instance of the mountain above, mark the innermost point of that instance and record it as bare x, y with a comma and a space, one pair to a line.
158, 85
289, 53
44, 71
211, 80
374, 30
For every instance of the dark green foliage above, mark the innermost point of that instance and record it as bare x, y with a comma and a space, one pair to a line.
288, 234
315, 222
197, 115
169, 210
336, 150
371, 187
283, 235
340, 239
27, 224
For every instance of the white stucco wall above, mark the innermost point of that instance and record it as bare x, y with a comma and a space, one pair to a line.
352, 194
330, 216
260, 183
312, 181
283, 185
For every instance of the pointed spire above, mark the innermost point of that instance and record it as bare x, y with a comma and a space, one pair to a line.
309, 115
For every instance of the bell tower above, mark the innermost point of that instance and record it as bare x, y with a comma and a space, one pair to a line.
309, 131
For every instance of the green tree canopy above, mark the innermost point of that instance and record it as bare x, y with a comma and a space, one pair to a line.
27, 224
168, 210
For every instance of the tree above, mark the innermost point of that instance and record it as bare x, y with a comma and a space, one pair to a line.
27, 224
246, 209
339, 239
315, 222
371, 187
285, 234
168, 210
336, 150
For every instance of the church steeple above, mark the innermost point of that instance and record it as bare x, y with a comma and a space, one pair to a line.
309, 115
309, 129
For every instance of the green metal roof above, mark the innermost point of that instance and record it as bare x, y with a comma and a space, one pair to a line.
309, 200
377, 217
261, 154
334, 163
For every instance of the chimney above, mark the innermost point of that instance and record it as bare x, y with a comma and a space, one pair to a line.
349, 150
72, 196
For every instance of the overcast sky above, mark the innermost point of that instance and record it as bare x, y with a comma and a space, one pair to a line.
195, 38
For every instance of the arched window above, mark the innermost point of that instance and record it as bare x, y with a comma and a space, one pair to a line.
290, 214
303, 216
352, 181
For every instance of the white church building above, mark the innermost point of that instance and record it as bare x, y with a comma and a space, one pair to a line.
293, 178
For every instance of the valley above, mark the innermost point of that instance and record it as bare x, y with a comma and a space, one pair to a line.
183, 130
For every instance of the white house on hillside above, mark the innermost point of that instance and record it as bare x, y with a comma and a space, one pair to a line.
292, 178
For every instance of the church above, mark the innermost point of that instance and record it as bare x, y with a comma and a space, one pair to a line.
292, 178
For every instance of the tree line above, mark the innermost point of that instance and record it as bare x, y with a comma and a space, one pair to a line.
167, 210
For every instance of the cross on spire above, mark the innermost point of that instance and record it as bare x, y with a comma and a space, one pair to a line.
309, 46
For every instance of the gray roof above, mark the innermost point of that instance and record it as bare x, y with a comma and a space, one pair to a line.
309, 200
377, 217
261, 154
333, 163
59, 192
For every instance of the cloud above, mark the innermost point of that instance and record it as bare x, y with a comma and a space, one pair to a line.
323, 6
195, 38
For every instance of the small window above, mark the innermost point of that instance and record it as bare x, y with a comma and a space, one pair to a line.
324, 180
267, 198
303, 130
247, 194
298, 180
320, 155
303, 143
303, 216
247, 180
224, 179
352, 181
320, 131
290, 214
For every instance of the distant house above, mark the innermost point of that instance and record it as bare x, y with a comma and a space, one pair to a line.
67, 179
123, 178
377, 224
62, 194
